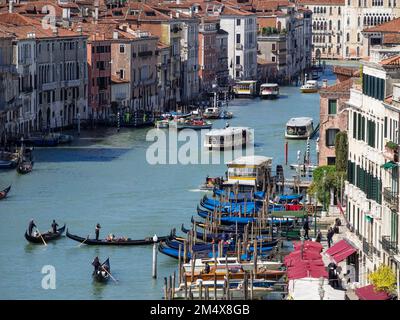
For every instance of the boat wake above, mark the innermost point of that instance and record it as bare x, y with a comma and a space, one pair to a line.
197, 190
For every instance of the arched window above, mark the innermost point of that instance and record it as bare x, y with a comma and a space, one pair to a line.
348, 37
365, 20
338, 25
325, 25
358, 51
347, 51
348, 21
330, 10
314, 25
324, 9
358, 21
358, 37
339, 10
330, 24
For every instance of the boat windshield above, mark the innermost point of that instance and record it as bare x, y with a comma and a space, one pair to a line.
298, 131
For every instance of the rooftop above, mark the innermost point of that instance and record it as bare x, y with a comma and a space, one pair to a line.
340, 87
390, 26
250, 161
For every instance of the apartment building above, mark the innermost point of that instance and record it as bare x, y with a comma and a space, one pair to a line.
372, 186
165, 93
51, 64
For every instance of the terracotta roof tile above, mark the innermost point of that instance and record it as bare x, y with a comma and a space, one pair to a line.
346, 71
322, 2
390, 26
391, 38
340, 87
393, 61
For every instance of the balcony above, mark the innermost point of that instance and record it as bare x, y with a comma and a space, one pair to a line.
145, 54
391, 198
239, 46
389, 245
367, 248
238, 67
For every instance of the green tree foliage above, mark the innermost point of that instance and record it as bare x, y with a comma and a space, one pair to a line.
383, 279
321, 186
341, 151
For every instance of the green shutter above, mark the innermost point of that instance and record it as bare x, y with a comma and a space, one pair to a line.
354, 125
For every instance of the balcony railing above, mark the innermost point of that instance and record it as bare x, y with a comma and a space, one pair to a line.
391, 198
238, 67
389, 245
239, 46
367, 248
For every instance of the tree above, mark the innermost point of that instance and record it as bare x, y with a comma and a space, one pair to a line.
383, 279
341, 151
322, 188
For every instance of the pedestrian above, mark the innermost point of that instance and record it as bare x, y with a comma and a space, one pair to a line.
319, 236
306, 227
97, 231
330, 236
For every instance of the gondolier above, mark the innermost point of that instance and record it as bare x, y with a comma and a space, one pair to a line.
54, 226
31, 226
97, 231
96, 264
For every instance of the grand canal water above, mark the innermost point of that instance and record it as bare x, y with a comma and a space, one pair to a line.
104, 177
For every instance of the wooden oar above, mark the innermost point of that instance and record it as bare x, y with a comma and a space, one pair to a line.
40, 234
83, 241
109, 274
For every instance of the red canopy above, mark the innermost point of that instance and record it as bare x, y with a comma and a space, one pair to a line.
308, 264
340, 251
369, 293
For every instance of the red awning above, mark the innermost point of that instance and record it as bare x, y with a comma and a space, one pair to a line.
369, 293
340, 251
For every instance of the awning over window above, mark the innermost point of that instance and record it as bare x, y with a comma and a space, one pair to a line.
340, 251
389, 165
369, 293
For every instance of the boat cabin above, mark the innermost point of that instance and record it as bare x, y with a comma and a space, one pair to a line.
249, 173
228, 138
245, 88
269, 90
299, 128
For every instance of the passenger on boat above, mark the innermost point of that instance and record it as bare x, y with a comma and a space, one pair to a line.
96, 264
54, 226
97, 231
111, 237
31, 226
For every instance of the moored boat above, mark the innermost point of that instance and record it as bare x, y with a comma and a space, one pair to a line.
195, 124
211, 113
269, 91
8, 164
245, 89
4, 192
48, 236
25, 166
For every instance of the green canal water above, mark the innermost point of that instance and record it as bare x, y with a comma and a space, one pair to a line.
104, 177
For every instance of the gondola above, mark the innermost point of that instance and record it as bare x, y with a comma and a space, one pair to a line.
117, 242
47, 237
25, 167
174, 253
4, 192
8, 164
101, 274
267, 245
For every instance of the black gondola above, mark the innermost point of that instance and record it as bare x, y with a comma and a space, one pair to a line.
117, 242
25, 167
48, 236
102, 274
4, 192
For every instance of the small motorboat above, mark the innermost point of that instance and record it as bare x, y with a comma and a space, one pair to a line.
162, 124
8, 164
25, 166
212, 183
269, 91
311, 86
299, 128
195, 124
212, 113
48, 236
4, 192
226, 115
102, 273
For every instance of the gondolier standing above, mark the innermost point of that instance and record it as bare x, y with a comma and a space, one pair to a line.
97, 231
96, 264
54, 226
31, 226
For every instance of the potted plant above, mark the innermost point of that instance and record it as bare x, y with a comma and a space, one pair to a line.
392, 150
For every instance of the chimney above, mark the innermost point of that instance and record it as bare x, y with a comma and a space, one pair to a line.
79, 29
55, 31
96, 14
10, 6
177, 14
170, 15
115, 35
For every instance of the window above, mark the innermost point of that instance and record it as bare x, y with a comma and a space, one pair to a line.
332, 109
273, 59
238, 22
122, 48
338, 25
238, 38
331, 161
273, 47
348, 37
237, 59
330, 137
121, 73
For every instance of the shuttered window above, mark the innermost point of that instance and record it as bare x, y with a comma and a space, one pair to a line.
332, 107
